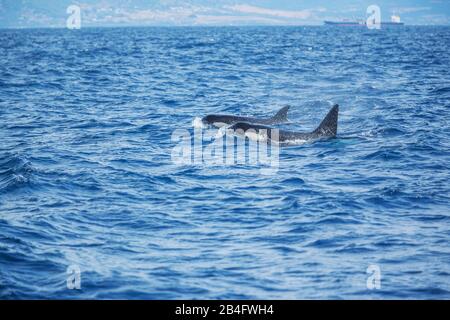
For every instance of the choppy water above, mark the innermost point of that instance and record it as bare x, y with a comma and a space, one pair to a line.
86, 176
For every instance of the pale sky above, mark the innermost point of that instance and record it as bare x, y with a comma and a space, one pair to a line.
52, 13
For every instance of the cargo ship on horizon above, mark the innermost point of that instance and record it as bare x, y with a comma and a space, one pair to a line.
395, 21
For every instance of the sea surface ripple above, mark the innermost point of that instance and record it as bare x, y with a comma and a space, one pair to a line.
87, 180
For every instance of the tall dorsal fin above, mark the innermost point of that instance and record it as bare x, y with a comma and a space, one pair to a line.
281, 115
328, 126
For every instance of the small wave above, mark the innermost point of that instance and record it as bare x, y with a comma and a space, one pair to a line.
14, 171
383, 132
391, 132
383, 154
293, 181
197, 44
441, 90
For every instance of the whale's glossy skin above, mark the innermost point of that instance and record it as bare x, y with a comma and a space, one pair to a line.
220, 120
326, 129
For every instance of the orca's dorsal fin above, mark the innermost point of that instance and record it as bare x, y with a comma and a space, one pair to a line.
281, 115
328, 126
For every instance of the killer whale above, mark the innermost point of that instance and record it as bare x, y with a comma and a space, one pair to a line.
326, 129
220, 120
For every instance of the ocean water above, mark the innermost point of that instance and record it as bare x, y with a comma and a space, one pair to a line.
87, 181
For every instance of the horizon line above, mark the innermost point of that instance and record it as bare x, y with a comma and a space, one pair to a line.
209, 26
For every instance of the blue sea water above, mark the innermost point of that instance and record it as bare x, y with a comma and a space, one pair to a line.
87, 179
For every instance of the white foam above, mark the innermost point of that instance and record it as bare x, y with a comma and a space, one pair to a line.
294, 142
221, 132
219, 124
198, 123
250, 134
